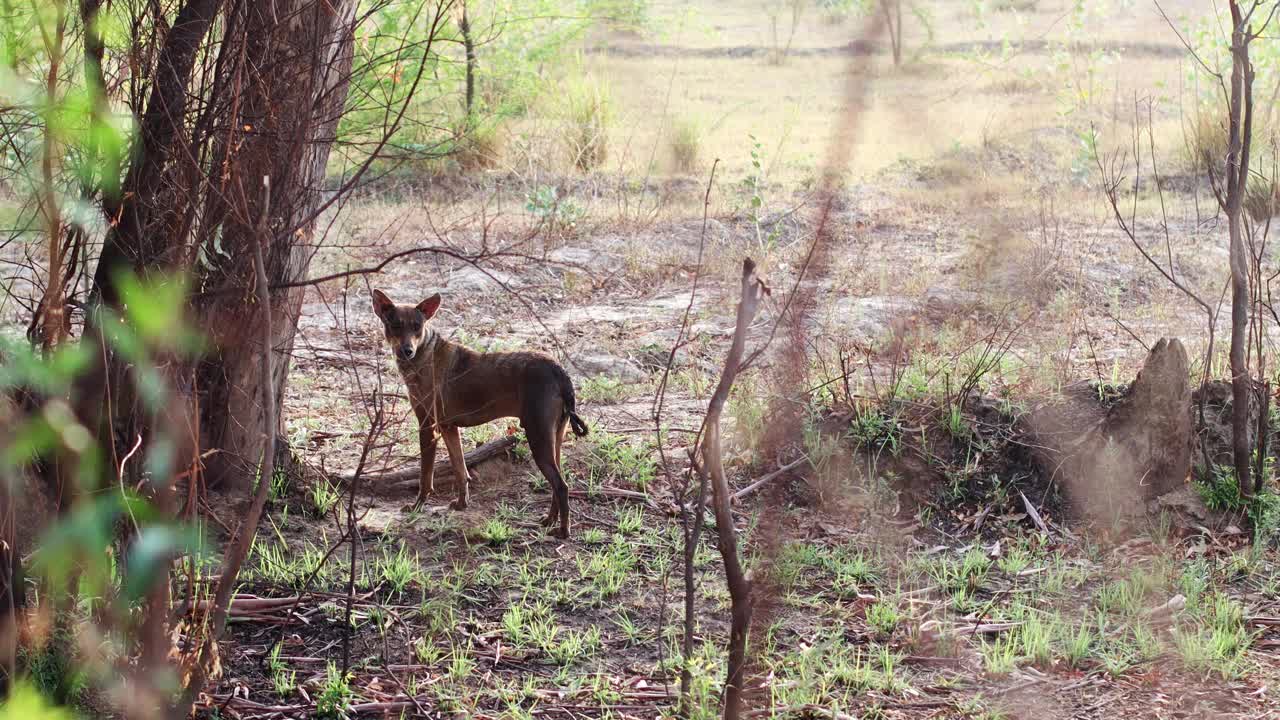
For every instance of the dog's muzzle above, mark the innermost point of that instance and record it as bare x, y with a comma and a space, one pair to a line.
405, 352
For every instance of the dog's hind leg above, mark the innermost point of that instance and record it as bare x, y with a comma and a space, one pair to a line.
538, 449
561, 428
545, 449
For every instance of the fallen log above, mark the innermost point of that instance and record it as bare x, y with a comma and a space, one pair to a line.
394, 483
251, 604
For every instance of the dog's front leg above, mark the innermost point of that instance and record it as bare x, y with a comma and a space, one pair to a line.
453, 443
427, 452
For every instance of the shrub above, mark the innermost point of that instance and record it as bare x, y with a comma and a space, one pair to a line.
612, 458
324, 497
837, 11
588, 109
686, 145
1220, 491
1206, 143
1261, 199
628, 15
477, 144
558, 215
335, 694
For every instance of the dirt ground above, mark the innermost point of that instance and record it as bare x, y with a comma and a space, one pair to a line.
970, 214
967, 213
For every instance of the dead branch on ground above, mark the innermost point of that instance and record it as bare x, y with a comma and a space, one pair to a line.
408, 479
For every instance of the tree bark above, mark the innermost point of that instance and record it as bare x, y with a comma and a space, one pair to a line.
1240, 122
464, 26
893, 19
132, 243
692, 529
136, 240
242, 542
12, 593
290, 90
53, 303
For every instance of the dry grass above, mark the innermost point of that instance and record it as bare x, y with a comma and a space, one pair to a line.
958, 98
1206, 143
686, 145
479, 145
588, 118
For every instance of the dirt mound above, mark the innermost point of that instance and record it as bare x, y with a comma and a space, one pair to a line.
1090, 454
1114, 460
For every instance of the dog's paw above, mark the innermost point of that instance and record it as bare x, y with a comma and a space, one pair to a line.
458, 504
416, 506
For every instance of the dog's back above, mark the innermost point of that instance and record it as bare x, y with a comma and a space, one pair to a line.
470, 388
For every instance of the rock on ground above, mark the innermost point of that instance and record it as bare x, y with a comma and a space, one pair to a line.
618, 368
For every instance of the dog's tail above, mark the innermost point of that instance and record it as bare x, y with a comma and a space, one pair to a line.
570, 404
579, 427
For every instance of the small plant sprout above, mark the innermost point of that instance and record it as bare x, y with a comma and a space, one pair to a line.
323, 498
883, 617
335, 694
398, 570
283, 680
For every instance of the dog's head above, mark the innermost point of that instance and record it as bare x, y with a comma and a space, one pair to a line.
406, 327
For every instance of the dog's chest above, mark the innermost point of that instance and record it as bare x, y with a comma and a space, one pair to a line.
424, 378
418, 378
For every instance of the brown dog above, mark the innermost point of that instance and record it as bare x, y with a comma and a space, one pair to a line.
452, 387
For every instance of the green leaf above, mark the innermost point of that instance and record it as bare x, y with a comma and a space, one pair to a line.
20, 366
32, 439
153, 308
156, 310
79, 543
27, 703
150, 555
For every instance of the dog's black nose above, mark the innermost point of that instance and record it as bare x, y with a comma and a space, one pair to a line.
406, 352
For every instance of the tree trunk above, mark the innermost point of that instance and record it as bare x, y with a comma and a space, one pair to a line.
137, 240
1239, 131
53, 303
692, 529
711, 469
289, 90
134, 241
12, 593
893, 19
464, 26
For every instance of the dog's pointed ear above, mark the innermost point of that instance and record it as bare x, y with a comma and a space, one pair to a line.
382, 305
429, 306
